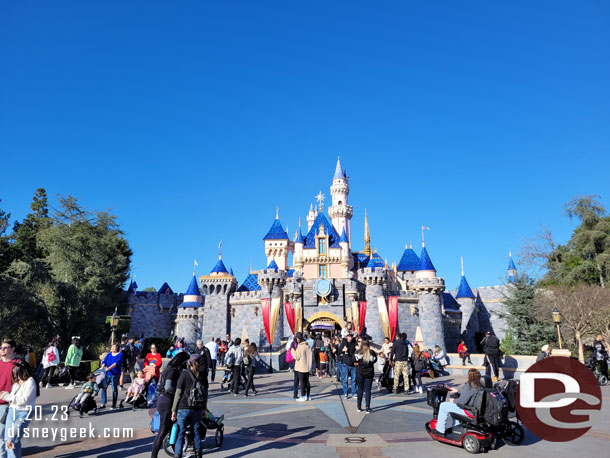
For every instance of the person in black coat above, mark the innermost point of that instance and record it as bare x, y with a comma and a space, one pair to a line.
347, 349
491, 348
364, 361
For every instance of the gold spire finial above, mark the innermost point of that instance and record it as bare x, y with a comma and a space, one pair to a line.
462, 261
299, 221
367, 235
277, 212
220, 250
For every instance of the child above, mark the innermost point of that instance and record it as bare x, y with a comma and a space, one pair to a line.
380, 367
323, 362
137, 386
211, 421
89, 389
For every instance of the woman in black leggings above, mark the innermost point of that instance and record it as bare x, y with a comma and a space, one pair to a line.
250, 358
167, 390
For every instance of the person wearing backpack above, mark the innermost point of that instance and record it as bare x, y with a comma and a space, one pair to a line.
166, 389
234, 359
250, 358
189, 404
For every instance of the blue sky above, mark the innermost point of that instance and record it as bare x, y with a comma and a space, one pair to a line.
193, 120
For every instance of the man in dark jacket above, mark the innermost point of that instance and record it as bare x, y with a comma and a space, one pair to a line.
205, 362
399, 359
491, 348
347, 349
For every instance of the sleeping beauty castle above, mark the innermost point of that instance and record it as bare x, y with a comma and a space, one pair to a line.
330, 284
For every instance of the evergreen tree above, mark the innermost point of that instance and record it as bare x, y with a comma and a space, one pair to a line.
5, 258
25, 233
527, 329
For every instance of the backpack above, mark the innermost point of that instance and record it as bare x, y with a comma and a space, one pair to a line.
289, 357
230, 359
197, 396
496, 408
126, 350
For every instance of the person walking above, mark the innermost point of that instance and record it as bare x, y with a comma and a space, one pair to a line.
337, 357
22, 398
250, 358
463, 352
7, 357
399, 357
318, 343
205, 362
73, 358
189, 404
167, 390
50, 361
212, 346
303, 357
491, 348
348, 349
234, 359
364, 360
418, 364
129, 360
112, 365
601, 354
292, 345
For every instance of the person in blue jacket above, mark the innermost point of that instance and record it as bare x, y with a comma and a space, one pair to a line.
112, 364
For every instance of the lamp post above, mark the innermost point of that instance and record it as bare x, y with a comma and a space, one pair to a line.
114, 323
557, 321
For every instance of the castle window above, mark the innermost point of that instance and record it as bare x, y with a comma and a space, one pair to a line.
322, 271
322, 246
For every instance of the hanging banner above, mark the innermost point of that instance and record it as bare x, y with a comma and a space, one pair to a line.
393, 315
265, 308
383, 314
289, 315
298, 316
274, 314
362, 316
355, 317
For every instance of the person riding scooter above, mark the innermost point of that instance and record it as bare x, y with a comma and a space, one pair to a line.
466, 393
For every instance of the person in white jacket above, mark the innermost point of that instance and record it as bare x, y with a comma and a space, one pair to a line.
22, 400
50, 361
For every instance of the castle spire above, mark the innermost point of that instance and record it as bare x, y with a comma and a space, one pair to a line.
367, 235
338, 170
512, 269
462, 262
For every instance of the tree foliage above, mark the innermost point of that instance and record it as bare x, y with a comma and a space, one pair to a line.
66, 273
528, 330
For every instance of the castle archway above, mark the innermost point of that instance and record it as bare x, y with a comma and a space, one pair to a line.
323, 321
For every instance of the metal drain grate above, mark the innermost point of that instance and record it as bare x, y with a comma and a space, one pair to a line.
355, 440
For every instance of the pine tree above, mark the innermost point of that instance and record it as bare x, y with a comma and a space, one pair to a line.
526, 326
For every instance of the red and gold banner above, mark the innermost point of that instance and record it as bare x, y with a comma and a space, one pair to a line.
383, 315
355, 317
265, 308
289, 315
362, 316
393, 315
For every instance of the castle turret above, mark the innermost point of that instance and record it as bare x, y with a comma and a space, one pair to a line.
470, 318
277, 244
298, 249
512, 270
217, 287
345, 253
340, 212
311, 216
189, 316
429, 288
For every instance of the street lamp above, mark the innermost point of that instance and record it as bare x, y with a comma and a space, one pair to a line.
114, 323
557, 321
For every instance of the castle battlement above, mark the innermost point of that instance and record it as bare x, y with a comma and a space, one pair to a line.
429, 285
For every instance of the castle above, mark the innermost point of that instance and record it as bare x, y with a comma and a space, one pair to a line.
327, 285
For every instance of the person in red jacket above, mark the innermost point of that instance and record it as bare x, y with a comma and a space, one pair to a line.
463, 352
152, 364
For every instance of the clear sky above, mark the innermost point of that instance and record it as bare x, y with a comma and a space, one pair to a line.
192, 120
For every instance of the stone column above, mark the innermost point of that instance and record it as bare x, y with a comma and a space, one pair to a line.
430, 310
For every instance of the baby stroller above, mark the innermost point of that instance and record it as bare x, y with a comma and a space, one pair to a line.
591, 363
84, 407
386, 378
188, 449
140, 400
227, 379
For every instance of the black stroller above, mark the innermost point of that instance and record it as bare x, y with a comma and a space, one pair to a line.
84, 407
188, 449
227, 379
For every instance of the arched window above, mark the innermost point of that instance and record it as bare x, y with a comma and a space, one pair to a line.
322, 246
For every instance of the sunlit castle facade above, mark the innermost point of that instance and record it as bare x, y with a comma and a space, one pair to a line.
329, 284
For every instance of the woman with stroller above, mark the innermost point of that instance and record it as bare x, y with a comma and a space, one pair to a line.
167, 390
50, 361
465, 394
185, 411
364, 360
250, 358
22, 399
73, 357
112, 365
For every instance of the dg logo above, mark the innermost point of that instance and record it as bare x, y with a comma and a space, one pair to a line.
559, 399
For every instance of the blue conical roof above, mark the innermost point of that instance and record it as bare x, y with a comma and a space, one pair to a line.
343, 237
192, 297
339, 172
276, 232
424, 261
409, 261
220, 268
464, 289
371, 264
231, 272
333, 237
273, 265
511, 264
299, 237
165, 289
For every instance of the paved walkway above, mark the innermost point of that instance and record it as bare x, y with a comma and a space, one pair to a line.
272, 424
